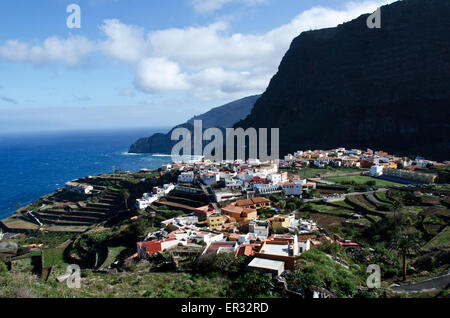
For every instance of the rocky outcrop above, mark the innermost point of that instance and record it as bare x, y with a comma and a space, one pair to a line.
221, 117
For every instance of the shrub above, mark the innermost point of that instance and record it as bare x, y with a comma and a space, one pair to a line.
253, 285
3, 269
321, 271
291, 206
224, 262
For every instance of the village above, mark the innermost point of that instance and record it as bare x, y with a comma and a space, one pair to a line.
267, 215
232, 222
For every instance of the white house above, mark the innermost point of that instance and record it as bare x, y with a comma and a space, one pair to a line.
168, 187
376, 170
304, 246
292, 188
208, 238
233, 183
186, 177
210, 178
274, 177
254, 162
79, 188
267, 188
146, 200
260, 229
268, 168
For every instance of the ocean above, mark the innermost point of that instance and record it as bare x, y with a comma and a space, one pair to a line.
32, 165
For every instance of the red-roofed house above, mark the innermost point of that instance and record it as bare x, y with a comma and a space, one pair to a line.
205, 211
248, 250
146, 249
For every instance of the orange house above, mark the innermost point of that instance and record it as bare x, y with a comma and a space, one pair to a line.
254, 203
240, 214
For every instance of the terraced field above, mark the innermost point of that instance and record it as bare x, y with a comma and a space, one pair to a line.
60, 214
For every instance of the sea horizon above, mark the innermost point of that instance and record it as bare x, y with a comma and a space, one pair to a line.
37, 163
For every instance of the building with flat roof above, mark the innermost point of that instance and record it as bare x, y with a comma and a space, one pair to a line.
267, 265
215, 221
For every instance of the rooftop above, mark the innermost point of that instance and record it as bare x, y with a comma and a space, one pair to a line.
266, 264
277, 249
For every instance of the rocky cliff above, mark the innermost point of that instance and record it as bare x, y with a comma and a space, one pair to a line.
221, 117
352, 86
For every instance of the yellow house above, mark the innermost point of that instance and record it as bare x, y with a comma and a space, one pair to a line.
390, 165
214, 221
410, 175
280, 222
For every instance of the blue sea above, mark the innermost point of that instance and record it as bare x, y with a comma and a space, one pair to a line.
32, 165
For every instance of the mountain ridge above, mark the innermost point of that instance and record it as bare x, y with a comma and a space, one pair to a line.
224, 116
352, 86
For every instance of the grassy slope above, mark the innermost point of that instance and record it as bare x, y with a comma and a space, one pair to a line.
362, 180
443, 238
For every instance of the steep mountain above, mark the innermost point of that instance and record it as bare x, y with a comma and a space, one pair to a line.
352, 86
221, 117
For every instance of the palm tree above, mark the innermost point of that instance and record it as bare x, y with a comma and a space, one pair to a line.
406, 242
125, 196
397, 207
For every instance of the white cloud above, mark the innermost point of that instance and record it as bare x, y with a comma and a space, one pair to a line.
213, 63
155, 75
123, 42
70, 51
209, 61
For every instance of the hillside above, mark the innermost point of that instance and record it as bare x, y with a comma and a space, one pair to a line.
351, 86
221, 117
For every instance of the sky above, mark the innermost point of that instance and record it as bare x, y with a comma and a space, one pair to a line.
141, 63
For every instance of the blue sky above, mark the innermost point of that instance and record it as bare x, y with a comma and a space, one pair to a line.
139, 63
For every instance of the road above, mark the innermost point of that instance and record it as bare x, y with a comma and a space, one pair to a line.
427, 285
349, 194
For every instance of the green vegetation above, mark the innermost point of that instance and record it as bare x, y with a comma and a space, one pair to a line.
406, 242
306, 173
363, 181
318, 270
253, 285
327, 209
109, 242
53, 256
442, 239
3, 269
381, 196
224, 262
48, 239
140, 283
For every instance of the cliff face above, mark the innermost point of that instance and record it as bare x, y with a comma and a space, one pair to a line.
351, 86
221, 117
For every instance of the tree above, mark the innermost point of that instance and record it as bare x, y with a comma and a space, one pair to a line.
397, 207
406, 242
371, 183
291, 206
125, 196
